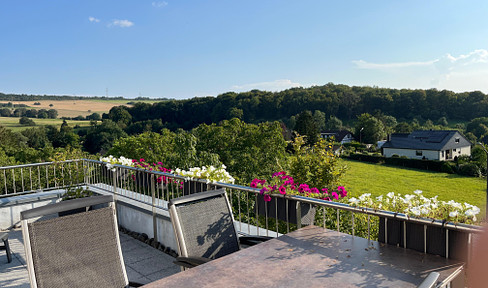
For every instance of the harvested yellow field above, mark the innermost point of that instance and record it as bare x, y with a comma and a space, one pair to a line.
73, 108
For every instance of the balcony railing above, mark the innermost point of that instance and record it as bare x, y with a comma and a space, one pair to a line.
157, 188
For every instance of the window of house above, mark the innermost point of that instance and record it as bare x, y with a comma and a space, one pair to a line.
454, 150
418, 152
456, 140
442, 153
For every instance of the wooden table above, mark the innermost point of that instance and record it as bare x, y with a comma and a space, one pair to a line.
316, 257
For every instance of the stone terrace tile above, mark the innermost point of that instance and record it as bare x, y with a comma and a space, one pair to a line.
143, 263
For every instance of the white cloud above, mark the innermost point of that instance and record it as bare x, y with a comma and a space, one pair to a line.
465, 72
368, 65
93, 19
276, 85
160, 4
121, 23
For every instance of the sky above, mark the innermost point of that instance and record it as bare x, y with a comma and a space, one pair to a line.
186, 48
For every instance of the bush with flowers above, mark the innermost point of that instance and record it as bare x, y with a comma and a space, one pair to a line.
416, 205
211, 174
283, 184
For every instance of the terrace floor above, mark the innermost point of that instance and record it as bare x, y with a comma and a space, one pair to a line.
143, 263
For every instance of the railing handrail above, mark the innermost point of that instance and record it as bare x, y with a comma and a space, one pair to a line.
39, 164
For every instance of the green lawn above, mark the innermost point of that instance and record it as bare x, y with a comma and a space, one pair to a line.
13, 123
380, 179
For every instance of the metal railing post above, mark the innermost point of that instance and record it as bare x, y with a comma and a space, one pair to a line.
155, 223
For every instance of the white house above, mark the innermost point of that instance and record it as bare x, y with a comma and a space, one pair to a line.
341, 136
440, 145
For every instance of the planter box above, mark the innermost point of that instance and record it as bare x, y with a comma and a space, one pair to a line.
307, 212
436, 238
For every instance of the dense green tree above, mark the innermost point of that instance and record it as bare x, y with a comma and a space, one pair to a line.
403, 127
120, 115
5, 112
306, 126
94, 116
52, 113
333, 123
319, 118
63, 137
37, 138
478, 126
370, 128
26, 121
249, 151
100, 138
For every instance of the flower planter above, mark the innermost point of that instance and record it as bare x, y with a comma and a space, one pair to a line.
192, 187
307, 212
435, 240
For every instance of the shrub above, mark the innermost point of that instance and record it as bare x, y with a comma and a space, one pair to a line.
469, 169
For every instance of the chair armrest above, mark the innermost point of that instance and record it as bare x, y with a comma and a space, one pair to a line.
190, 262
253, 240
430, 281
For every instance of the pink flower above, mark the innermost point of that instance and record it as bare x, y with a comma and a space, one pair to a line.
263, 190
160, 163
314, 190
160, 179
335, 195
267, 198
282, 190
134, 160
142, 160
325, 190
133, 177
254, 183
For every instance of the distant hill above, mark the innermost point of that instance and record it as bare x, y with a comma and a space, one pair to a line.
25, 97
344, 102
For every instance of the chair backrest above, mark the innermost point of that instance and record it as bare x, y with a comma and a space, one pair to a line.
204, 225
79, 250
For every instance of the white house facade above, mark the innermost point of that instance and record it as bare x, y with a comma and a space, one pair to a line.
430, 145
342, 136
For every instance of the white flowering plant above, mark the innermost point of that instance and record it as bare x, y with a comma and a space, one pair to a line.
211, 174
416, 205
110, 161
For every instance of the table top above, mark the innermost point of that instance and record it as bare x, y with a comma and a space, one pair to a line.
315, 257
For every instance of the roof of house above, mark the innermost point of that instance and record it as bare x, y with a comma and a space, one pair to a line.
428, 140
338, 134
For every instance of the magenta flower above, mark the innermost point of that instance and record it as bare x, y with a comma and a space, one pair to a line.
267, 198
254, 183
314, 190
134, 160
160, 179
282, 190
263, 190
160, 163
142, 160
133, 177
335, 195
325, 190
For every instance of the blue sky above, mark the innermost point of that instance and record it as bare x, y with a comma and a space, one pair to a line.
183, 49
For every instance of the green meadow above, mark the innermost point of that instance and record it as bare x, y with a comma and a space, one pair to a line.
13, 123
380, 179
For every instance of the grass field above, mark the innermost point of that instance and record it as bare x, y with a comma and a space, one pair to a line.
380, 179
73, 108
13, 123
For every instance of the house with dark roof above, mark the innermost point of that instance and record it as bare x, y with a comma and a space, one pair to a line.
443, 145
341, 136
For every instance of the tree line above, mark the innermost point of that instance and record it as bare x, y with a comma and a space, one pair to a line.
341, 101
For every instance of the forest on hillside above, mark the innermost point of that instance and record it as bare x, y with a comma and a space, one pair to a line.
341, 101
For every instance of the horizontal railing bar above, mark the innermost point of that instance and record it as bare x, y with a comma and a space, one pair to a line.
37, 164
